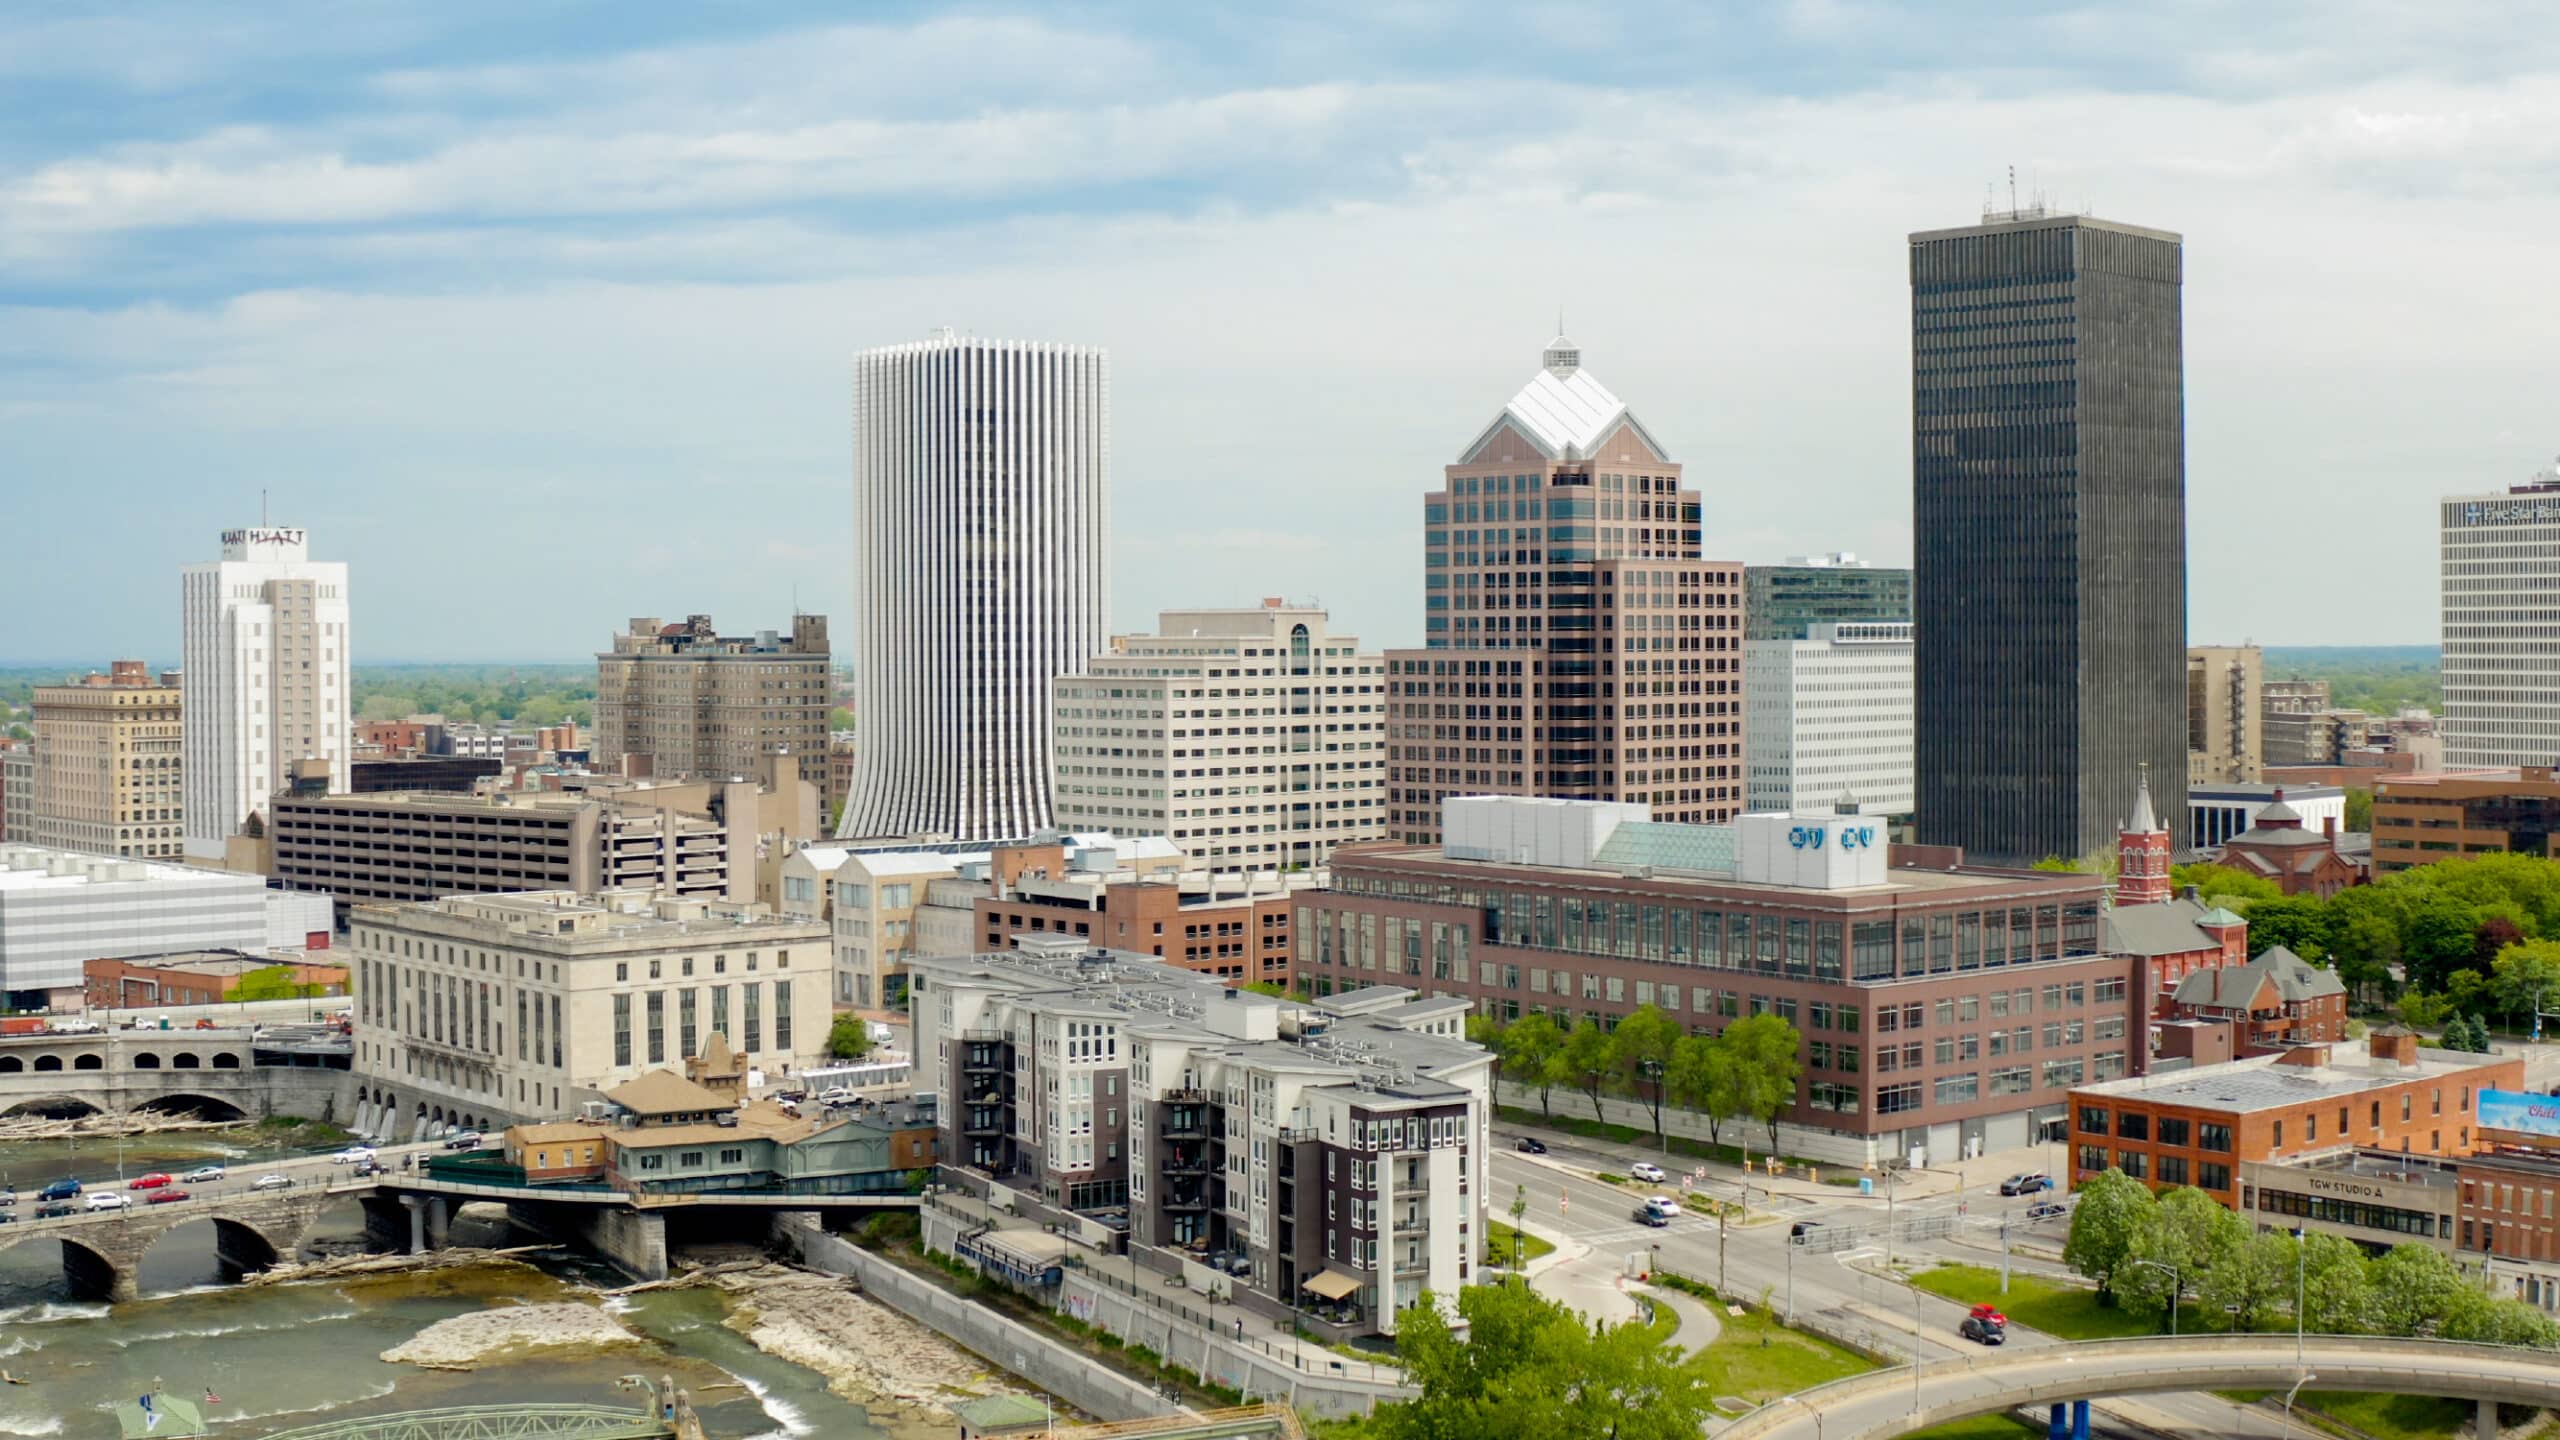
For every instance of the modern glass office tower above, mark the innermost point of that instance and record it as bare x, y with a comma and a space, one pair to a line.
2048, 450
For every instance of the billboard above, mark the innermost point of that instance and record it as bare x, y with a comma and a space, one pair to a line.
2520, 1110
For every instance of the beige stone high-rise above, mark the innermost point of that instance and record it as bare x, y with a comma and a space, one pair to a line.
107, 768
1255, 739
1580, 646
2226, 729
686, 703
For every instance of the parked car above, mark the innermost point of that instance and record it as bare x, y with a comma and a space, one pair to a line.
110, 1200
835, 1096
1647, 1215
2047, 1210
56, 1211
1647, 1170
272, 1182
163, 1197
8, 1198
352, 1155
2025, 1185
152, 1181
1531, 1146
62, 1189
464, 1140
202, 1173
1982, 1332
8, 1217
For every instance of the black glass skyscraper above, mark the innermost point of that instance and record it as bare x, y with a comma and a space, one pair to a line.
2048, 470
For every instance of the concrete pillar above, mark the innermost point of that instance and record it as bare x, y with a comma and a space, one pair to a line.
416, 1205
2485, 1427
439, 1221
2058, 1426
2079, 1420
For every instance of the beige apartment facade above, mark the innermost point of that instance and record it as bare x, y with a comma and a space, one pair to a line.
684, 702
106, 778
1253, 739
2226, 726
477, 1011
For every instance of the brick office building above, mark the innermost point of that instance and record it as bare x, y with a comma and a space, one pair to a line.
1233, 927
2199, 1127
2421, 819
1942, 1007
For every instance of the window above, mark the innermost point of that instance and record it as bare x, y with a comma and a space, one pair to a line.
657, 1027
733, 1157
622, 1030
1897, 1099
2173, 1131
2213, 1175
2133, 1163
2217, 1138
2133, 1125
2276, 1138
2093, 1121
2173, 1169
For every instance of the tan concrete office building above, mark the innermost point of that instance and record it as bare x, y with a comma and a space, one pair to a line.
106, 775
684, 702
1254, 739
476, 1011
2226, 728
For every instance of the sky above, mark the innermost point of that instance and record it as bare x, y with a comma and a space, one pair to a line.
541, 315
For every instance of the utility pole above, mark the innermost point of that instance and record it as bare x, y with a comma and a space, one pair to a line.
2004, 1253
1721, 1291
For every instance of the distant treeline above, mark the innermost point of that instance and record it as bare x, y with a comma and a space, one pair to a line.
2379, 679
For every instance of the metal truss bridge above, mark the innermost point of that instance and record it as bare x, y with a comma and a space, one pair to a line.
493, 1422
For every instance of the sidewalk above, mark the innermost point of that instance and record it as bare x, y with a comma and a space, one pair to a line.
1579, 1275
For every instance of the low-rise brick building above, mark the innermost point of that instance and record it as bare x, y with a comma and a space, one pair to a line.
2273, 1003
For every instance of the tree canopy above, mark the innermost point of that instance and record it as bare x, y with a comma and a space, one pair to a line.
1531, 1369
849, 1038
1751, 1072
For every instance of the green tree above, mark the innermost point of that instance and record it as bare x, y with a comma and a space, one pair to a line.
2471, 1315
2299, 923
2112, 1209
272, 982
2222, 885
1764, 1053
1486, 1031
2526, 976
2251, 1280
2422, 1011
1530, 1047
1589, 1058
1702, 1079
2337, 1283
2469, 992
2413, 1287
1647, 1041
849, 1037
1532, 1370
2359, 817
839, 718
2182, 1229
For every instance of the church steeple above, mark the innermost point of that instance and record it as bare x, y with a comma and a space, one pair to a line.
2142, 852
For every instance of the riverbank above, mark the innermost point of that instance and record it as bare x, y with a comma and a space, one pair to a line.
869, 1354
465, 1341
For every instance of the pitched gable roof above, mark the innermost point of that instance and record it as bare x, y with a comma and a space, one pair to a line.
2232, 987
1565, 413
2166, 928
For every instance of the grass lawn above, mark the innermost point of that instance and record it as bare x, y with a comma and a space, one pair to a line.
2057, 1309
2391, 1417
1739, 1363
1980, 1427
1499, 1238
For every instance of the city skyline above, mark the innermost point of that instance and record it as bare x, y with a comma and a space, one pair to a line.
437, 296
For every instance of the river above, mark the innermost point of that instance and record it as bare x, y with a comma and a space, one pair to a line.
279, 1356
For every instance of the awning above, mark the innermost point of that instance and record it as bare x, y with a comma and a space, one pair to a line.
1329, 1285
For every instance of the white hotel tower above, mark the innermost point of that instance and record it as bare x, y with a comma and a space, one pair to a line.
981, 541
265, 680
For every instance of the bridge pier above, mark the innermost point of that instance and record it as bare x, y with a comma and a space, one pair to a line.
430, 1222
635, 1241
93, 1274
2485, 1427
2069, 1421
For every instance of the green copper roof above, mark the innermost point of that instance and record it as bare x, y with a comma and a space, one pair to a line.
2217, 916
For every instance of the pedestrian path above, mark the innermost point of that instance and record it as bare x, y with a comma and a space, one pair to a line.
1699, 1326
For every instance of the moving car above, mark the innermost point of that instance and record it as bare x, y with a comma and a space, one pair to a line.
352, 1155
1647, 1215
152, 1181
1802, 1228
464, 1140
2025, 1185
110, 1200
1990, 1314
1983, 1332
202, 1173
1530, 1146
1647, 1170
8, 1198
59, 1190
163, 1197
272, 1182
1663, 1205
2047, 1210
371, 1168
55, 1211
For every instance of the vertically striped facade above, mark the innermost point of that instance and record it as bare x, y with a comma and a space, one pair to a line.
2501, 556
982, 532
267, 678
2049, 591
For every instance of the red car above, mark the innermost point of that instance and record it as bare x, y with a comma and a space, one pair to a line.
152, 1181
1990, 1315
163, 1197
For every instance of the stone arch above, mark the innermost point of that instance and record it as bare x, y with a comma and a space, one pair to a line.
240, 1247
12, 1065
226, 1061
144, 1060
48, 1062
210, 1107
89, 1060
53, 1107
186, 1060
93, 1275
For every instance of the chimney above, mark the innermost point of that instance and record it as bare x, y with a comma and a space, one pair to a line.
2329, 828
2393, 1045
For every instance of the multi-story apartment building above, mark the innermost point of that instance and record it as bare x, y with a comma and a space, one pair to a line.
411, 847
2226, 727
1942, 1008
1785, 602
107, 767
1830, 718
61, 908
2315, 737
982, 536
889, 901
17, 789
265, 678
1253, 739
1235, 927
480, 1011
684, 702
2049, 582
2501, 557
2201, 1126
2421, 819
1577, 642
1328, 1155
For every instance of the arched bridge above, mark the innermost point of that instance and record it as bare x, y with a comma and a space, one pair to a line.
1883, 1403
227, 1074
102, 1250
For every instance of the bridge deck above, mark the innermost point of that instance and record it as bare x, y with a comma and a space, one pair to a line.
492, 1422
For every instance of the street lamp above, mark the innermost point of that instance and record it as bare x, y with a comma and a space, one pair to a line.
2301, 1268
2173, 1297
2306, 1379
1813, 1410
1653, 1071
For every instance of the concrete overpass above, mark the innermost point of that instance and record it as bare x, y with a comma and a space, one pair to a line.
1886, 1403
226, 1074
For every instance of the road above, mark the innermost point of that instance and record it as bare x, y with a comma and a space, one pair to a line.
1565, 1199
309, 1170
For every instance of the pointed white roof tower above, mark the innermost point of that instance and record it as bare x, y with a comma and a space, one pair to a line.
1563, 410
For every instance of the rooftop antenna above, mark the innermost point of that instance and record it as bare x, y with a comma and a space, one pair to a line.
262, 507
2013, 189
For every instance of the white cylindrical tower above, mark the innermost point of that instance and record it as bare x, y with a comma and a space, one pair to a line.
981, 540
